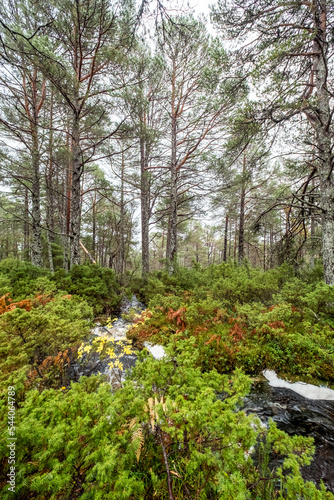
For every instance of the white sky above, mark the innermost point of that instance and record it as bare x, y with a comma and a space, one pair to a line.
200, 7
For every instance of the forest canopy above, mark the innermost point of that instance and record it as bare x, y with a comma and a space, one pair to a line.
166, 182
141, 136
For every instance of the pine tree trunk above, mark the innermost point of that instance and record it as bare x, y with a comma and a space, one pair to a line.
50, 179
120, 264
66, 227
271, 242
241, 253
172, 223
26, 225
94, 229
75, 194
36, 244
49, 224
264, 250
172, 226
67, 207
33, 105
49, 251
225, 239
324, 146
145, 209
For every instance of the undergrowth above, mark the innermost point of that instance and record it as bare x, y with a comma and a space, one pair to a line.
244, 317
164, 434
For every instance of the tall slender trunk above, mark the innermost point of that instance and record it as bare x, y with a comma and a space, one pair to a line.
324, 141
26, 225
49, 192
121, 254
271, 242
230, 242
264, 250
225, 239
94, 228
49, 251
67, 205
241, 253
75, 192
36, 244
172, 225
145, 208
33, 104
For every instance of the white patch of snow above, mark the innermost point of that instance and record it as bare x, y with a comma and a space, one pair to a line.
308, 391
157, 351
96, 331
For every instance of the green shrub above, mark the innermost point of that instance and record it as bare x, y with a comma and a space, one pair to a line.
283, 337
5, 285
21, 277
30, 342
226, 282
164, 431
96, 284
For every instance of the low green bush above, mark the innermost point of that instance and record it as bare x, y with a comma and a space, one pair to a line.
21, 277
226, 282
163, 433
36, 344
246, 318
96, 284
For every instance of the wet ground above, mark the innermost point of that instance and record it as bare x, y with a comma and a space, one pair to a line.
292, 413
93, 364
295, 414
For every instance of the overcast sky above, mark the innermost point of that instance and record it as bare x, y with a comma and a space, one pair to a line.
200, 6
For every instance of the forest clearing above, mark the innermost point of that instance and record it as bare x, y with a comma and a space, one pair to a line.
166, 250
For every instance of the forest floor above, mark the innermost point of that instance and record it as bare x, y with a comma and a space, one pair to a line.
185, 422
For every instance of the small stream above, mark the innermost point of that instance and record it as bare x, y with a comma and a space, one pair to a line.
295, 414
118, 333
292, 412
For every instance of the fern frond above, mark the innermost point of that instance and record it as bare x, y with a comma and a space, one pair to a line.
152, 412
138, 434
133, 422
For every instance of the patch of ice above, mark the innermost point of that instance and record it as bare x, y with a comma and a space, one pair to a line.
157, 351
308, 391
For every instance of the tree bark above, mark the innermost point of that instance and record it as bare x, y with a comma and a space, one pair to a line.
36, 244
225, 239
94, 229
145, 209
172, 225
264, 249
241, 253
26, 225
75, 193
324, 142
121, 253
49, 251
